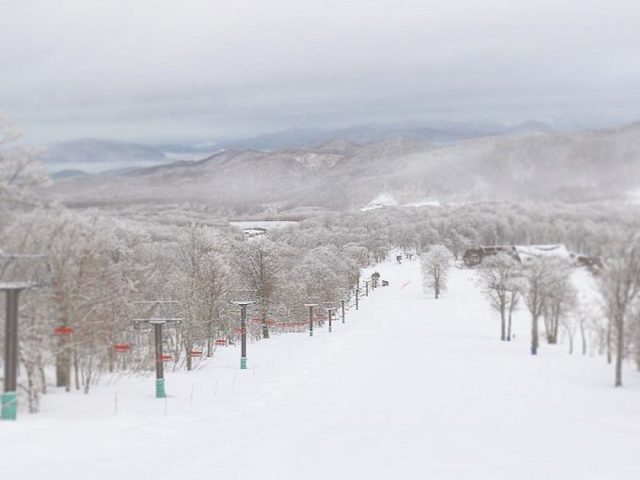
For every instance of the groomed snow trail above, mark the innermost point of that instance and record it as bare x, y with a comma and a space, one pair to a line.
410, 387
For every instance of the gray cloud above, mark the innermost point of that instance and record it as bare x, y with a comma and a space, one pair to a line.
159, 69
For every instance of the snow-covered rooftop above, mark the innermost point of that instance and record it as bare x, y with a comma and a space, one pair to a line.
553, 250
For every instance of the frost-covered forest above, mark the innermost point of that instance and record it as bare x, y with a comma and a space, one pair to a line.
94, 265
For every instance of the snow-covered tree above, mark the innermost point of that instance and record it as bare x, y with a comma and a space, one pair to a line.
200, 281
543, 276
435, 264
85, 288
260, 264
559, 304
620, 287
21, 172
500, 282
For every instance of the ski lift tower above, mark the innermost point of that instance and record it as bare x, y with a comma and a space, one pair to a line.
243, 298
330, 308
12, 290
158, 322
311, 303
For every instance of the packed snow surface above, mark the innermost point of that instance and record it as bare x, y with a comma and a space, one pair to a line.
424, 203
268, 224
527, 252
410, 387
382, 200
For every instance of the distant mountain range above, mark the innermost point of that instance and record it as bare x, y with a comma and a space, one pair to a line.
94, 155
443, 133
342, 174
91, 154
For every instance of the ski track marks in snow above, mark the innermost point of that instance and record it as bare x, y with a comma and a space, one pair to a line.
410, 387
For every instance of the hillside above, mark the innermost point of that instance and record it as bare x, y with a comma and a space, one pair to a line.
340, 174
408, 387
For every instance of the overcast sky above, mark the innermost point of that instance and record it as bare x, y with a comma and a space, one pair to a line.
157, 70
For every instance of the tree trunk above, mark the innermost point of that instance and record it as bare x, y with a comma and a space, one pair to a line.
265, 327
547, 326
188, 347
556, 326
76, 370
63, 366
503, 323
210, 338
570, 343
88, 375
534, 335
609, 342
583, 336
111, 356
33, 393
512, 305
619, 349
43, 376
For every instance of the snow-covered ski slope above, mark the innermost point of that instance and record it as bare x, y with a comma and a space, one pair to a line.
410, 387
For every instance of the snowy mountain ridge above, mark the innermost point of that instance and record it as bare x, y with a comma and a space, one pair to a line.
584, 166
